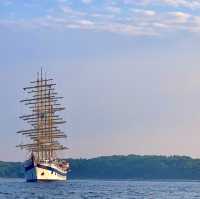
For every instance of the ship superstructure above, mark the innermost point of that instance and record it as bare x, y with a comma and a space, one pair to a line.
44, 132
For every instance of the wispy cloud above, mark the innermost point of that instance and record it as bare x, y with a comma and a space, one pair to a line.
191, 4
144, 17
182, 3
87, 1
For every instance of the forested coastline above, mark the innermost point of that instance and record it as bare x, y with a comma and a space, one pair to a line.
122, 167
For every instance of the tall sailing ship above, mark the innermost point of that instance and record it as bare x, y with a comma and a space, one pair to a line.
44, 133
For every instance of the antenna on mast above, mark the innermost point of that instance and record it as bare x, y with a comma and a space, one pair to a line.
41, 73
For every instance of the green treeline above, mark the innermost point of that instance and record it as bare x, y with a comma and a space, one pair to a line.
123, 167
11, 169
136, 167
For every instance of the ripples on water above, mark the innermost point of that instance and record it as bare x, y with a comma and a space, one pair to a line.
75, 189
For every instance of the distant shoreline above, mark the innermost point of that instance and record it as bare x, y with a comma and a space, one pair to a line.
119, 167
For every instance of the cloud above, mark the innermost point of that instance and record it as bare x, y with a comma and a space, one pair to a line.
87, 1
191, 4
131, 17
113, 9
180, 17
144, 12
182, 3
86, 22
71, 12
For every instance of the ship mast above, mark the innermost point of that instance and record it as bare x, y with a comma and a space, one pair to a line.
44, 119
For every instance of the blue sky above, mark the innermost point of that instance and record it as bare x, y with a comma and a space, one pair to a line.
128, 69
131, 17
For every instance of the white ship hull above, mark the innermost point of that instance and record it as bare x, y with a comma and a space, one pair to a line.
44, 172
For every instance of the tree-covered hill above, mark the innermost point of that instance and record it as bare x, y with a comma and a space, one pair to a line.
123, 167
11, 169
136, 167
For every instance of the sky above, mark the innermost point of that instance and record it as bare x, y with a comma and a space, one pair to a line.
129, 71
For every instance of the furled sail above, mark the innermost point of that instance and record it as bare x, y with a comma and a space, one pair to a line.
44, 119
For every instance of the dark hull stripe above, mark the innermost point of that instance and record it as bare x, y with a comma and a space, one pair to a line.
35, 180
51, 169
45, 167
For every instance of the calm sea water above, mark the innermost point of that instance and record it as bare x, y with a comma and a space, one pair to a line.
75, 189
